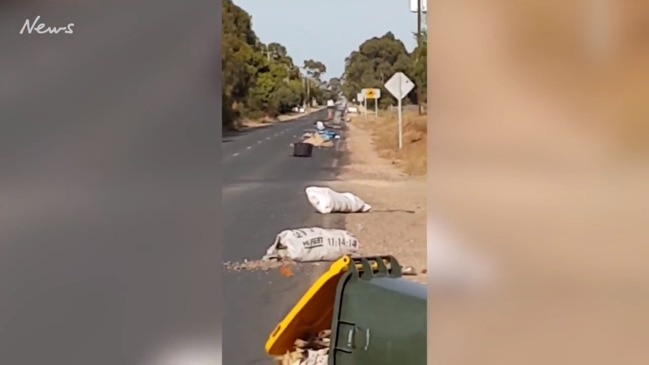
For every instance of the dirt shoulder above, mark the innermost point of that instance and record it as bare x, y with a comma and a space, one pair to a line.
397, 224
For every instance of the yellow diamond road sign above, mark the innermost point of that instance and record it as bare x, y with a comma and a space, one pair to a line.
371, 93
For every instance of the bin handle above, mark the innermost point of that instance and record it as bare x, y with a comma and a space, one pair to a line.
367, 339
350, 338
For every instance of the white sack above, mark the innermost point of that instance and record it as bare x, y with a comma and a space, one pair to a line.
326, 201
312, 244
319, 125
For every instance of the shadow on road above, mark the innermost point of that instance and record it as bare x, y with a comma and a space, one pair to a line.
393, 211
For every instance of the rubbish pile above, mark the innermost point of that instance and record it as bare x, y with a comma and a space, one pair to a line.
325, 131
328, 135
317, 140
322, 137
316, 243
314, 351
305, 336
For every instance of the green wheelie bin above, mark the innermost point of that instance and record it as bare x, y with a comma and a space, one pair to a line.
375, 316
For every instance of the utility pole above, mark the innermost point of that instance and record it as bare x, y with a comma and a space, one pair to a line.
419, 98
307, 102
305, 77
306, 95
308, 92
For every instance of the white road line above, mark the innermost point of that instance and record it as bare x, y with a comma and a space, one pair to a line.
249, 147
334, 163
235, 154
268, 138
258, 142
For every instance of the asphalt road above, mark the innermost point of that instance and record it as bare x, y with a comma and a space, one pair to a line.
263, 193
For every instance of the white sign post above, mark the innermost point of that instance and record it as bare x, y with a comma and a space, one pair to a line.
414, 4
399, 85
376, 108
365, 108
372, 93
360, 98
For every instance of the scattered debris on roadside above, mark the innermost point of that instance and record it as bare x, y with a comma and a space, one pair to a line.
326, 144
286, 271
408, 270
313, 351
323, 136
258, 265
317, 141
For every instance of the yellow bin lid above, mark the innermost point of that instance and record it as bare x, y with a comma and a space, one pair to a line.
312, 313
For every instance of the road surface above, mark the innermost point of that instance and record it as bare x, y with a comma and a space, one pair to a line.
263, 193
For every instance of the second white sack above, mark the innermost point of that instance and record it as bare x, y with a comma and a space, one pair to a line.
326, 200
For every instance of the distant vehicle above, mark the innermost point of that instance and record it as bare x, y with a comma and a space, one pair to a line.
330, 103
352, 109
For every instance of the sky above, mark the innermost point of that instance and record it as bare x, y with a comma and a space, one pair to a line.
329, 30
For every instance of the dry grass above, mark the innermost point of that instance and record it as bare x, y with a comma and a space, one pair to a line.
384, 130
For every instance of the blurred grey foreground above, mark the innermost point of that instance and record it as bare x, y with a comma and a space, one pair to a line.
109, 187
